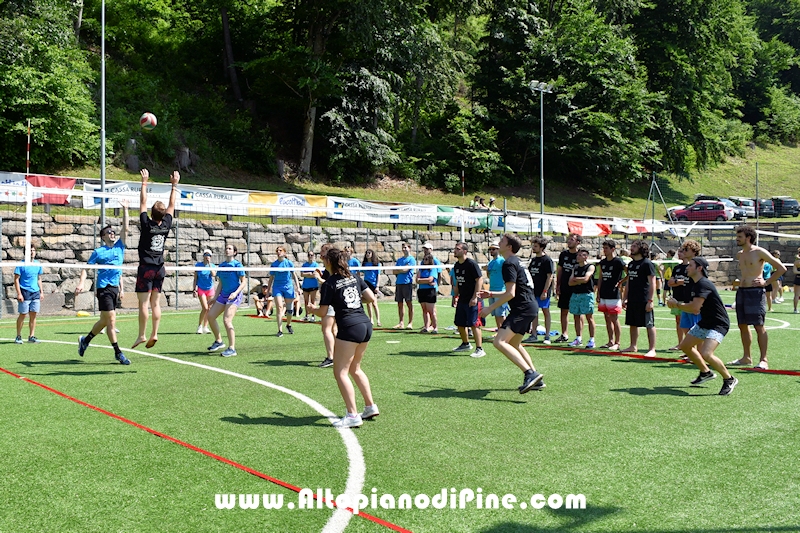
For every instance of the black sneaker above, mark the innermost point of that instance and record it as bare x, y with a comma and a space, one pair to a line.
289, 329
728, 385
539, 386
82, 345
326, 363
280, 334
530, 381
703, 377
562, 338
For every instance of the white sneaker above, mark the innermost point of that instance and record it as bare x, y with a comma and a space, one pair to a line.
206, 330
370, 411
477, 353
546, 341
348, 421
199, 330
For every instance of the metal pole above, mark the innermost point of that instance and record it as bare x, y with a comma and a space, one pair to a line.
102, 111
541, 154
758, 204
177, 262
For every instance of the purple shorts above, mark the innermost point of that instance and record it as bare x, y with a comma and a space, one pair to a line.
224, 300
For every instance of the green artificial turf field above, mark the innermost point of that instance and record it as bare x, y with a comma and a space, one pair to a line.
648, 452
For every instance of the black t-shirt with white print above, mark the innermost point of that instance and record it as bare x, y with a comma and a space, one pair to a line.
153, 239
639, 273
712, 314
344, 294
567, 261
524, 301
540, 268
611, 273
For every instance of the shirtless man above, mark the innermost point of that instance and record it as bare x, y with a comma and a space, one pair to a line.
751, 299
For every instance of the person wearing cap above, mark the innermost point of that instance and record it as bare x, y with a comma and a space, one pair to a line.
107, 285
492, 207
494, 271
204, 288
704, 337
427, 287
751, 300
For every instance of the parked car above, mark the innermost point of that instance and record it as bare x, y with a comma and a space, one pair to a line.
704, 210
785, 205
746, 204
766, 208
738, 212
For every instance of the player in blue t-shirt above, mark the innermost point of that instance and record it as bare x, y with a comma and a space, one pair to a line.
427, 287
107, 285
26, 281
228, 298
403, 285
204, 289
281, 287
310, 285
496, 284
371, 278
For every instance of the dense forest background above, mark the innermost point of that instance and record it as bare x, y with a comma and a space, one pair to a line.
343, 89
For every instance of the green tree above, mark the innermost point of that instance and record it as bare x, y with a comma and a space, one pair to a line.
44, 77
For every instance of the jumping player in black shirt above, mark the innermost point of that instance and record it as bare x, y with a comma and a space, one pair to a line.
522, 301
151, 272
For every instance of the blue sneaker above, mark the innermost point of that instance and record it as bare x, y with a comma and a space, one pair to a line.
18, 340
218, 345
33, 340
122, 359
82, 346
531, 380
230, 352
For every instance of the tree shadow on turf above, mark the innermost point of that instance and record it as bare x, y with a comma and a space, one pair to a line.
667, 391
476, 394
279, 420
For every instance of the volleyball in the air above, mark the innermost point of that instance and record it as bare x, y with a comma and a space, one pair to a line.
148, 121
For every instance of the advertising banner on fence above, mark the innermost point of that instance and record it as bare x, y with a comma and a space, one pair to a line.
360, 210
190, 197
13, 187
287, 204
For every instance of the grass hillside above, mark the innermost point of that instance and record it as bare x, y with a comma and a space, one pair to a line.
778, 172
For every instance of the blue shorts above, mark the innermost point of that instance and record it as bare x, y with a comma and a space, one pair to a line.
581, 303
287, 292
28, 306
543, 304
688, 320
466, 316
702, 333
501, 311
224, 300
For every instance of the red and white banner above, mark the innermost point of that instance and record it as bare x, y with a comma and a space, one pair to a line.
51, 182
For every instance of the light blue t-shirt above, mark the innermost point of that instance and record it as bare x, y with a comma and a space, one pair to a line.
283, 278
406, 278
310, 283
108, 255
230, 278
29, 277
767, 271
428, 272
353, 263
495, 270
371, 276
204, 278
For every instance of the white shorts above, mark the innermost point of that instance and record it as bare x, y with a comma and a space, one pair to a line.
609, 306
702, 333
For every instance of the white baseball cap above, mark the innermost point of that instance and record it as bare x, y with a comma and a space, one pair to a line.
207, 252
428, 245
495, 244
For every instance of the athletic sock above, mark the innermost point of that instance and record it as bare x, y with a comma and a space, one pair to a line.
88, 338
117, 351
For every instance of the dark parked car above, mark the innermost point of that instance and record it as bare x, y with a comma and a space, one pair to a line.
785, 206
766, 208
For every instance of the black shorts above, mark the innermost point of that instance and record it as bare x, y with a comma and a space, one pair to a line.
563, 300
150, 278
107, 298
403, 293
635, 315
310, 290
797, 279
466, 316
751, 306
358, 333
426, 296
372, 287
518, 323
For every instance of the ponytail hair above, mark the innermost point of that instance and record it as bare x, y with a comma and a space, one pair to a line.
338, 261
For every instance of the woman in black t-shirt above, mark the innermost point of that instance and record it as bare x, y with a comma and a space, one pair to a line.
346, 293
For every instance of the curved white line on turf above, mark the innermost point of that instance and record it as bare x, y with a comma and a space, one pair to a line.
356, 473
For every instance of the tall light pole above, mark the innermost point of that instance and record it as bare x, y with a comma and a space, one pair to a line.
542, 88
102, 111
